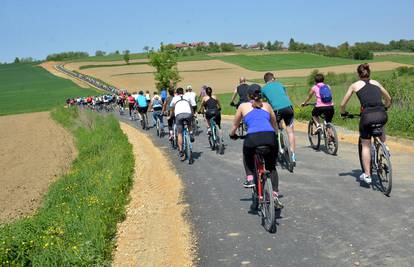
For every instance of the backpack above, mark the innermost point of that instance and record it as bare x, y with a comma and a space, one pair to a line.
157, 102
325, 93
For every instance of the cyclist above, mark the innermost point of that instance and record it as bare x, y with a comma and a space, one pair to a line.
261, 131
324, 104
241, 91
275, 94
131, 105
211, 107
203, 91
142, 105
182, 111
373, 111
167, 110
190, 96
156, 105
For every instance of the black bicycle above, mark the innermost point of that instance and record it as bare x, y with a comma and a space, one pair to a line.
327, 132
380, 158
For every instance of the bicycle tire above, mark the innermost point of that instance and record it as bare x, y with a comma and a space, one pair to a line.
287, 152
188, 150
314, 143
268, 207
334, 150
158, 128
384, 168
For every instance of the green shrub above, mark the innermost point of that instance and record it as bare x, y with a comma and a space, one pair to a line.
76, 223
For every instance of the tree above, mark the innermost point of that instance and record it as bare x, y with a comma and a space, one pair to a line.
126, 56
269, 46
226, 47
100, 53
16, 60
261, 45
146, 48
117, 52
292, 45
165, 63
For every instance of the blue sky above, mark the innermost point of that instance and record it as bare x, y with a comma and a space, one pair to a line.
37, 28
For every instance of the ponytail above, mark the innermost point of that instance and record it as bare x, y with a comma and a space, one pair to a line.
257, 101
209, 91
364, 71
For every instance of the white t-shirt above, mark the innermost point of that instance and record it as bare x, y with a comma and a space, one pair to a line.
182, 105
191, 97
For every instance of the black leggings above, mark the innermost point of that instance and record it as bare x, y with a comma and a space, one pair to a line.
249, 150
131, 107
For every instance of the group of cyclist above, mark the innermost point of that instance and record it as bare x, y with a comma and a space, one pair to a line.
263, 119
264, 111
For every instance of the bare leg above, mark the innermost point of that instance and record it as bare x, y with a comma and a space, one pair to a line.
291, 135
366, 155
316, 120
180, 141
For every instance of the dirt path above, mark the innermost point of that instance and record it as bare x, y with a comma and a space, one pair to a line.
154, 232
34, 151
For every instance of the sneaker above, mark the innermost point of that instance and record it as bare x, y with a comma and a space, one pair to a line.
248, 184
278, 204
182, 156
294, 159
367, 179
208, 131
192, 138
318, 128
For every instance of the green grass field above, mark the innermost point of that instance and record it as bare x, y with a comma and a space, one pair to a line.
77, 221
404, 59
284, 61
112, 57
29, 88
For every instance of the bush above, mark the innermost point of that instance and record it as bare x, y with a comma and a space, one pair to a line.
76, 223
66, 55
311, 78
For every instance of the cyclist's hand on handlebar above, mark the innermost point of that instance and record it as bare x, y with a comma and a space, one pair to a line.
233, 137
303, 104
232, 104
345, 114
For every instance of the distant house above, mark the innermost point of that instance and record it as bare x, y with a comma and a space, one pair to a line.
254, 46
195, 44
181, 46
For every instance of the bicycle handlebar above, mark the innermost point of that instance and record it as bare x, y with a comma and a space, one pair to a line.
350, 115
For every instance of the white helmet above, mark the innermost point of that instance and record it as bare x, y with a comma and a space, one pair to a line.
189, 87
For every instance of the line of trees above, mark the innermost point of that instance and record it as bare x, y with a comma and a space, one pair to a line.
66, 55
360, 50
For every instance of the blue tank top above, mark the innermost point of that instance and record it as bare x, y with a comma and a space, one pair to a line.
258, 120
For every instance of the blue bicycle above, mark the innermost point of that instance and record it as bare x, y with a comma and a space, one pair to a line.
214, 138
187, 145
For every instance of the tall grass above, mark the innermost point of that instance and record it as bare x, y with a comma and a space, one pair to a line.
76, 224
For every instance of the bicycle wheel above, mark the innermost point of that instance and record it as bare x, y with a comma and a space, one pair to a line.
188, 151
287, 153
331, 142
313, 136
268, 207
158, 128
384, 168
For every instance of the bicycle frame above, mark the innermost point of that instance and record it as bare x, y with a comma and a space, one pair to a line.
260, 170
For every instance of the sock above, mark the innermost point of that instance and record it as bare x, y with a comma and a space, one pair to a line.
249, 178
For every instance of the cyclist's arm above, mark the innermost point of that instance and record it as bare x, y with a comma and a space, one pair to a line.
385, 94
237, 119
201, 110
273, 120
346, 98
310, 95
234, 96
150, 105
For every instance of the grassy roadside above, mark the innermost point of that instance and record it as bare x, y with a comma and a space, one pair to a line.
76, 223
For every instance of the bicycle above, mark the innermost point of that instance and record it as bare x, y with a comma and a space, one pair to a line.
187, 145
380, 157
160, 131
215, 141
143, 120
195, 125
328, 133
284, 150
262, 194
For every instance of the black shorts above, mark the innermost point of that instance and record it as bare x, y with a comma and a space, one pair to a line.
371, 118
285, 114
142, 110
194, 109
179, 121
216, 115
327, 112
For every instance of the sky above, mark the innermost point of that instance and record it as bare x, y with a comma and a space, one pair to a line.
36, 28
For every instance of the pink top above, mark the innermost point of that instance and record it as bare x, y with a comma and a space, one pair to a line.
319, 103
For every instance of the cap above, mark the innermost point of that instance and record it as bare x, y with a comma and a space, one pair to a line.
189, 87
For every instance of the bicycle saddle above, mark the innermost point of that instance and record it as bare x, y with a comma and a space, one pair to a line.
376, 130
263, 150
